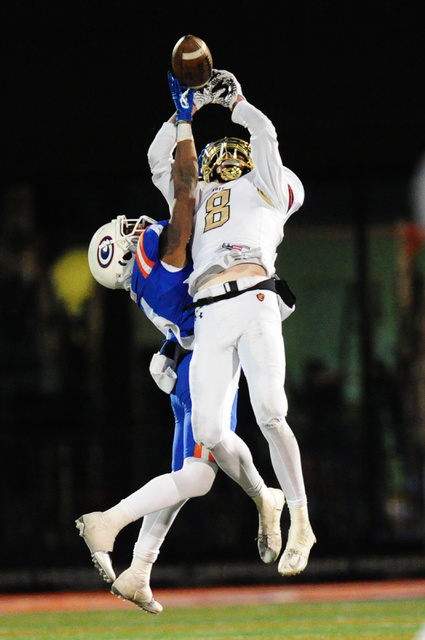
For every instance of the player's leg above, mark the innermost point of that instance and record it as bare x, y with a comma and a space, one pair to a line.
262, 354
214, 375
194, 472
195, 478
99, 529
133, 584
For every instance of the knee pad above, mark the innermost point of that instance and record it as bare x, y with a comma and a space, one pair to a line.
205, 437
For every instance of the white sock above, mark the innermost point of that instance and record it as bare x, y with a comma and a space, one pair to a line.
153, 532
286, 461
157, 494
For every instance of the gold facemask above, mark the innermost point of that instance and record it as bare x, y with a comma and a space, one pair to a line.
226, 159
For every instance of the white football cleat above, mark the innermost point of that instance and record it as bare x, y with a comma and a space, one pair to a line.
129, 586
103, 563
99, 536
269, 539
295, 557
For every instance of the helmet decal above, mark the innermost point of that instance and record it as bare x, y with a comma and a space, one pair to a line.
105, 252
112, 250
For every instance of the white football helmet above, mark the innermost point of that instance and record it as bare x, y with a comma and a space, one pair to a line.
224, 160
112, 251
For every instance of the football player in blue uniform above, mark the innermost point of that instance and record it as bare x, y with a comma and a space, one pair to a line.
150, 259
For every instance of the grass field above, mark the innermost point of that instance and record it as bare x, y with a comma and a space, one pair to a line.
370, 620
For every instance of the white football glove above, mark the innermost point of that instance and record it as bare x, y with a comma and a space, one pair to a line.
222, 88
202, 96
225, 88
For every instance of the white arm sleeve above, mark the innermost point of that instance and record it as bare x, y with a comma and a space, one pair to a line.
160, 158
278, 183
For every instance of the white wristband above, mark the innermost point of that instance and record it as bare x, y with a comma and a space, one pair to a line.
184, 131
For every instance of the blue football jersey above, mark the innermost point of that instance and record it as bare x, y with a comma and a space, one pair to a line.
161, 290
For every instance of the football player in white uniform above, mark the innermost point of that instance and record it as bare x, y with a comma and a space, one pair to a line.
244, 198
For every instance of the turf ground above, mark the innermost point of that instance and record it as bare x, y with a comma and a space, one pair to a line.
358, 611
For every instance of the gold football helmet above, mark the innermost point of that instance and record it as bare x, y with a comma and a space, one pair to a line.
224, 160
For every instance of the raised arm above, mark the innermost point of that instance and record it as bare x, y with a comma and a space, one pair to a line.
173, 246
275, 180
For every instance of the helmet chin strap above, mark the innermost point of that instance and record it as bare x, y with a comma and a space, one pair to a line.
125, 278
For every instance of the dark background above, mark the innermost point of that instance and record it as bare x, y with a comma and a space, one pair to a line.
85, 84
84, 90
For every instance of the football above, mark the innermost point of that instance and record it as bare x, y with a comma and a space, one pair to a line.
191, 62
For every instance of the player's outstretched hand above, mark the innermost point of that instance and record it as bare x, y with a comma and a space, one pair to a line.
222, 88
183, 99
203, 96
225, 88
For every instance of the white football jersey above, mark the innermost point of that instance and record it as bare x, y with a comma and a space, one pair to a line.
241, 220
233, 223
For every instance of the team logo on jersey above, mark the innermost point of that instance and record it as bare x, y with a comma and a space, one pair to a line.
105, 252
260, 297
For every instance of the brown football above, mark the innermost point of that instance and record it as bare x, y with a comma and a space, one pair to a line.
191, 62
